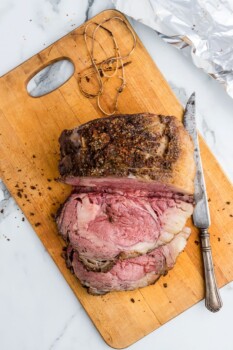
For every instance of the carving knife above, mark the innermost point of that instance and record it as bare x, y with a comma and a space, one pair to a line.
201, 216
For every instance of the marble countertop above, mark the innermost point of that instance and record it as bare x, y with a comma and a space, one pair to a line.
37, 308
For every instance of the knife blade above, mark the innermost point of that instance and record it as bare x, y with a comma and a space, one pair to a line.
201, 215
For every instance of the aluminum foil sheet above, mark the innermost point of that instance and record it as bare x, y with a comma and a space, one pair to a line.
203, 28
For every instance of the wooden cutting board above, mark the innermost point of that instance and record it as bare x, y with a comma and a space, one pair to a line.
29, 153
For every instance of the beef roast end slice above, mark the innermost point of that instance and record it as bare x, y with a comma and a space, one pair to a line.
129, 151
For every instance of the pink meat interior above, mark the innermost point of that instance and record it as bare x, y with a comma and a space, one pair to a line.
130, 273
104, 225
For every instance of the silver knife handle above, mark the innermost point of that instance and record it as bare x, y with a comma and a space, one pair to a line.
213, 300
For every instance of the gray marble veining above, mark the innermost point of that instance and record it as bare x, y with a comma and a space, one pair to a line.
55, 4
62, 332
180, 93
89, 5
208, 133
7, 203
50, 78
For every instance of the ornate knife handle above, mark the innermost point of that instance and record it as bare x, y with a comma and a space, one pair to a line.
213, 300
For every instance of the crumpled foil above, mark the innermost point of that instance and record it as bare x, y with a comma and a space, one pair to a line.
204, 28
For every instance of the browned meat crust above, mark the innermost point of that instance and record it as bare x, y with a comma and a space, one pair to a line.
146, 146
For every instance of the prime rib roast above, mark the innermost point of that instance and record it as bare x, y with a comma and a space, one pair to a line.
133, 182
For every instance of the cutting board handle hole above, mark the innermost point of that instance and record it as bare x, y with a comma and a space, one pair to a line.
50, 77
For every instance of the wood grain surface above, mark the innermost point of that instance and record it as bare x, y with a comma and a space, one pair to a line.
29, 153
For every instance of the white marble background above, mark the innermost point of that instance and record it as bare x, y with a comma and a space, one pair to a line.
38, 311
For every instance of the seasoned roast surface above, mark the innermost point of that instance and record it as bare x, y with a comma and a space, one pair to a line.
146, 147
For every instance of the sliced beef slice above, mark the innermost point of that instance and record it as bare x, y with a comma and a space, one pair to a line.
104, 227
131, 273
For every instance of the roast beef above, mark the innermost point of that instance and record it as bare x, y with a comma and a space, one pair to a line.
132, 178
138, 151
104, 227
131, 273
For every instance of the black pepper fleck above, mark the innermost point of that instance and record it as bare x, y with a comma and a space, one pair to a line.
165, 285
19, 194
132, 300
